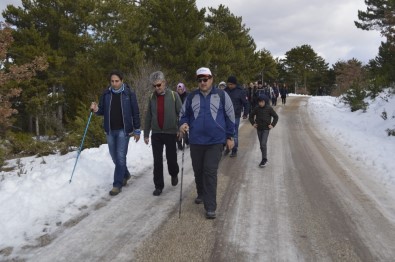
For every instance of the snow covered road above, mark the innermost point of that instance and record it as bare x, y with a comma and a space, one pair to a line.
309, 204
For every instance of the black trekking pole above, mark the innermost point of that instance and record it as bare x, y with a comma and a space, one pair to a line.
82, 143
182, 174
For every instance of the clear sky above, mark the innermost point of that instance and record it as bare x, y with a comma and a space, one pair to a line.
278, 26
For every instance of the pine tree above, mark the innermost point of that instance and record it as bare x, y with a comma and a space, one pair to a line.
379, 15
234, 54
173, 40
11, 77
302, 63
268, 66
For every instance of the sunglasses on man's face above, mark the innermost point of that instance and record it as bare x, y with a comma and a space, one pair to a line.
203, 80
157, 85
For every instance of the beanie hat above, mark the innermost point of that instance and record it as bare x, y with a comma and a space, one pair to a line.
263, 98
203, 71
232, 79
222, 83
181, 86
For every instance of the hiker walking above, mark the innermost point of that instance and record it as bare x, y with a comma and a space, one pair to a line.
209, 117
181, 90
284, 93
240, 104
263, 118
162, 119
118, 105
276, 92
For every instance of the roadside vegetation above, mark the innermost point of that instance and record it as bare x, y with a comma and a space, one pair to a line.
55, 57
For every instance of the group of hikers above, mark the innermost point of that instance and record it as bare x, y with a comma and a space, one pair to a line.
206, 119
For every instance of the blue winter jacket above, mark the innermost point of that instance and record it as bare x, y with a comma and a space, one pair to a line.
239, 100
211, 118
130, 109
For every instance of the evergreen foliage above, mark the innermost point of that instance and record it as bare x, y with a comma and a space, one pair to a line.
95, 135
268, 66
174, 37
231, 48
303, 65
82, 41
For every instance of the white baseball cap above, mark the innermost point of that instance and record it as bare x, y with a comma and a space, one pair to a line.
203, 71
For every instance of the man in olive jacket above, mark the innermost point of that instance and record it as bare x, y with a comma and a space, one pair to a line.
161, 118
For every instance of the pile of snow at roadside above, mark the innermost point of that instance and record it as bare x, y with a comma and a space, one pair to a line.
363, 134
36, 197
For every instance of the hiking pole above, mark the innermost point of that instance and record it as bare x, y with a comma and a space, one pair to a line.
182, 174
82, 143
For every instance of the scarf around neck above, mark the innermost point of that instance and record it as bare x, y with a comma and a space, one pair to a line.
119, 90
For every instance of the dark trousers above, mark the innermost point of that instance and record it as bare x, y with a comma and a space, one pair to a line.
169, 141
205, 161
283, 99
263, 135
274, 100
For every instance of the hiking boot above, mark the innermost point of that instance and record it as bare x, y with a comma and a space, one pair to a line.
198, 200
233, 154
210, 215
263, 163
115, 191
157, 192
125, 180
174, 180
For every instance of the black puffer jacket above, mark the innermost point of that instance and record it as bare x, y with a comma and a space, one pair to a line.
263, 116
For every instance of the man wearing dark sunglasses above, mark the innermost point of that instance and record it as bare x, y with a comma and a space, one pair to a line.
163, 108
208, 115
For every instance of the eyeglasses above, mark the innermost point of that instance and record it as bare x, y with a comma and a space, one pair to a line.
157, 85
203, 79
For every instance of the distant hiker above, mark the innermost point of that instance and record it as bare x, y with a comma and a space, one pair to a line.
222, 85
284, 93
268, 90
258, 92
276, 92
320, 91
240, 104
181, 90
250, 95
118, 105
209, 117
263, 118
162, 118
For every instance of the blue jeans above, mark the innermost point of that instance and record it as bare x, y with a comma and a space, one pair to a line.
118, 143
237, 123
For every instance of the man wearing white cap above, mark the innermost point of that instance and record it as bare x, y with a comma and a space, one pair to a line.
208, 115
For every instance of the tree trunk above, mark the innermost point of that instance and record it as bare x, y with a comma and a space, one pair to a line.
60, 117
30, 124
37, 128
